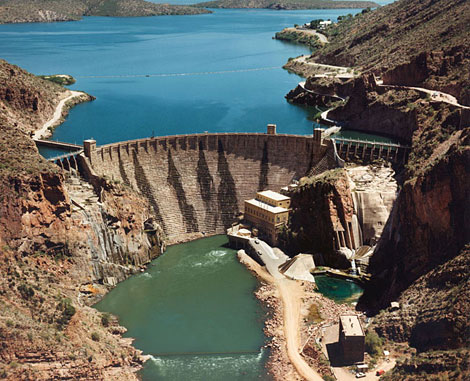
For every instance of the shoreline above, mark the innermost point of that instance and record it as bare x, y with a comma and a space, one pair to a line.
284, 299
294, 353
62, 109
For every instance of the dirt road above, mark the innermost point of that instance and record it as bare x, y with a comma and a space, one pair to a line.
43, 131
291, 294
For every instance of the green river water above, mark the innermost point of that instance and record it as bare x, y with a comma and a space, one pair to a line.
340, 290
194, 312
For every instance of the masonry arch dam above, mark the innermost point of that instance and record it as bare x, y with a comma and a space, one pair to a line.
197, 183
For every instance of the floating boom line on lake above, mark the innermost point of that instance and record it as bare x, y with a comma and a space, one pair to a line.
178, 74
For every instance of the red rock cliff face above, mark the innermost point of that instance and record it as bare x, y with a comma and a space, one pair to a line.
59, 251
367, 107
429, 225
319, 207
443, 70
374, 109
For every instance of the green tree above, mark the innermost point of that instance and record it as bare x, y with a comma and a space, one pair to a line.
373, 343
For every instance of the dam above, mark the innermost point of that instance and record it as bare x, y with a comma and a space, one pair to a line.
197, 183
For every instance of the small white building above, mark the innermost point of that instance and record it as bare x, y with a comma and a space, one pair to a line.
324, 24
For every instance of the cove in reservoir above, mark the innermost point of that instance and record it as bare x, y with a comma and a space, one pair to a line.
194, 312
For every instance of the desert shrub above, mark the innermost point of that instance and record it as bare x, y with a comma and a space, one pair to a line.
314, 315
26, 291
95, 336
105, 319
373, 343
67, 311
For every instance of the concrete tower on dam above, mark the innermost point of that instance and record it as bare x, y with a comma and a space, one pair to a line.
198, 183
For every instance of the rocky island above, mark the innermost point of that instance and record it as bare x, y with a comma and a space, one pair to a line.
22, 11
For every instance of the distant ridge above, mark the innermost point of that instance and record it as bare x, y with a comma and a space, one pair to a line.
23, 11
288, 4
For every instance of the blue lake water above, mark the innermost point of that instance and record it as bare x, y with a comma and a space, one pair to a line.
201, 68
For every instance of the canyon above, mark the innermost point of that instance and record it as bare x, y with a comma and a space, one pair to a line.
65, 242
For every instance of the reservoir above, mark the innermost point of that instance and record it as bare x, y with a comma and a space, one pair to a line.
194, 312
220, 72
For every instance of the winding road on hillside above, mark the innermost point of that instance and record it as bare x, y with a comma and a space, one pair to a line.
348, 72
43, 131
436, 95
321, 37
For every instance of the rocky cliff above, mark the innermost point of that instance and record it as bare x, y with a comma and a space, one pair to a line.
338, 211
321, 205
430, 221
63, 243
421, 252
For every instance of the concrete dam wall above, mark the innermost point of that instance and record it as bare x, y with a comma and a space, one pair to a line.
197, 183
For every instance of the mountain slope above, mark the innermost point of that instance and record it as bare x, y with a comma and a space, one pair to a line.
53, 263
408, 42
288, 4
20, 11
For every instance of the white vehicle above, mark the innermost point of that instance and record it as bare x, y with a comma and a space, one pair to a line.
360, 375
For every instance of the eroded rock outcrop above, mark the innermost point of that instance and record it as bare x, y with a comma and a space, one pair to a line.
56, 238
338, 211
428, 226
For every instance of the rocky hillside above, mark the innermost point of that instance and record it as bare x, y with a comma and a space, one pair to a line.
408, 42
27, 101
433, 318
55, 253
421, 260
288, 4
19, 11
